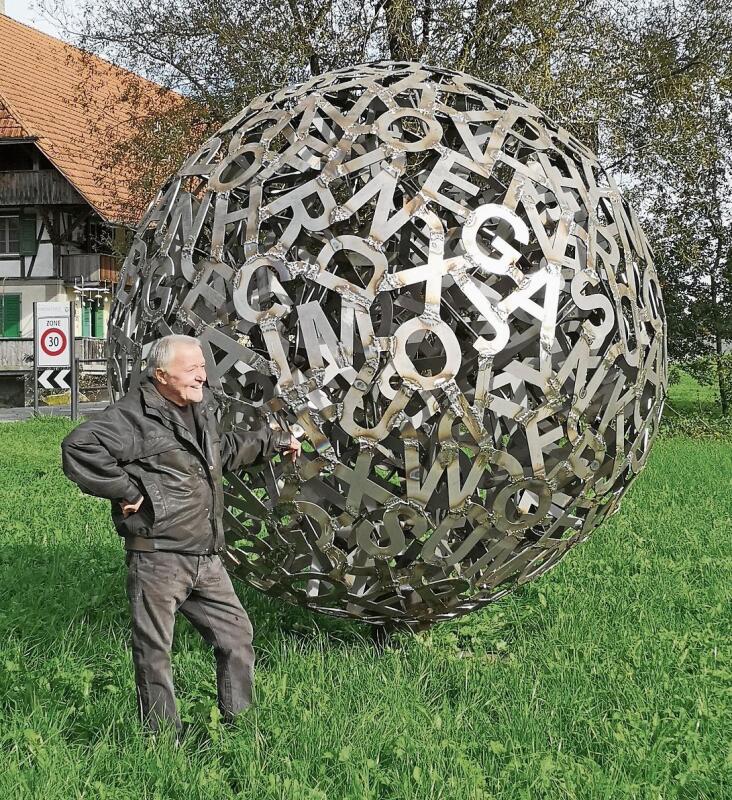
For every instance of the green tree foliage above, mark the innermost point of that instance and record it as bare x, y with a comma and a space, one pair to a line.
219, 53
645, 84
676, 149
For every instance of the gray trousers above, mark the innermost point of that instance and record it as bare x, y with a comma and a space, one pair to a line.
158, 585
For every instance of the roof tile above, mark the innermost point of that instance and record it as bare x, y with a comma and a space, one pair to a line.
75, 104
10, 128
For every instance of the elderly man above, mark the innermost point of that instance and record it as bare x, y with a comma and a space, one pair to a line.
158, 456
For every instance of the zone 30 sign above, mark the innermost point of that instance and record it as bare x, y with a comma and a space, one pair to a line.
52, 335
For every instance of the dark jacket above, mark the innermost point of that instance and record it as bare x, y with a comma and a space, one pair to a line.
139, 445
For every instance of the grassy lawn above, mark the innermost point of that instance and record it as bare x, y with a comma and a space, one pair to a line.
694, 409
611, 677
687, 397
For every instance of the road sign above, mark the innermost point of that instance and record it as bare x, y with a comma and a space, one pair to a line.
53, 341
54, 379
53, 335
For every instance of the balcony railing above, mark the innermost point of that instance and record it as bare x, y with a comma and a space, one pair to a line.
36, 187
91, 267
17, 354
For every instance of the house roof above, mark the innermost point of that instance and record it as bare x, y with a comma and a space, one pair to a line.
73, 104
10, 128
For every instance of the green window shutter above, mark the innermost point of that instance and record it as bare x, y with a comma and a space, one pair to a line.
28, 236
86, 321
98, 322
10, 315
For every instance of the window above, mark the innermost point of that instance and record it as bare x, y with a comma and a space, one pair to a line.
9, 235
10, 315
98, 236
15, 157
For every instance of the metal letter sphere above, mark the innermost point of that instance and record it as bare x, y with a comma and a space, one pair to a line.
446, 296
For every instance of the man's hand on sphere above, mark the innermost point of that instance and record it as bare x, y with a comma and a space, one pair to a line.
294, 448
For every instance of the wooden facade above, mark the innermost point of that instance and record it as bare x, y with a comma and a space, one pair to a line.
43, 187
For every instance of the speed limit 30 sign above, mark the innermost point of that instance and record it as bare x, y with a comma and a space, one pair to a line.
53, 341
52, 335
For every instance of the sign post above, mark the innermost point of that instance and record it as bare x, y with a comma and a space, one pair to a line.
53, 347
35, 357
73, 362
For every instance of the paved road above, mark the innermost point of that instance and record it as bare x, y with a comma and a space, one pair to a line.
17, 414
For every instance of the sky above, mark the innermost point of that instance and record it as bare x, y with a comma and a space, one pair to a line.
25, 11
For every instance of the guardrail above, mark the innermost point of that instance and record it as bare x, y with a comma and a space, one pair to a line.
36, 187
18, 353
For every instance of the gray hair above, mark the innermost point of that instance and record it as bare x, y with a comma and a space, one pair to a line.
161, 352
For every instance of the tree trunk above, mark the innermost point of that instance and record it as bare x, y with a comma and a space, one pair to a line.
716, 273
722, 380
399, 21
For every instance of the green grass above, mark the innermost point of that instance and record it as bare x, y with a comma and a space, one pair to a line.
610, 677
689, 397
694, 410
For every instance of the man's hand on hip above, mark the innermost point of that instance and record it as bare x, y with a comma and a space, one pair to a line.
130, 508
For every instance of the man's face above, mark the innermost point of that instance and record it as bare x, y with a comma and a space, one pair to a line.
182, 381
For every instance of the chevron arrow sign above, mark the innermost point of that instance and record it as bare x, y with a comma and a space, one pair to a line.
54, 379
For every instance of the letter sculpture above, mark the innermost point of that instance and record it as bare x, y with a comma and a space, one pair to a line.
445, 296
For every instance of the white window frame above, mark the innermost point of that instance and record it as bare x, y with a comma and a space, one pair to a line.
5, 235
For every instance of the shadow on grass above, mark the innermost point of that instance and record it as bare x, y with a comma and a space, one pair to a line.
50, 592
66, 664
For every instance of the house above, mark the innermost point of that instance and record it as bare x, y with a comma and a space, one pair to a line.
63, 218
